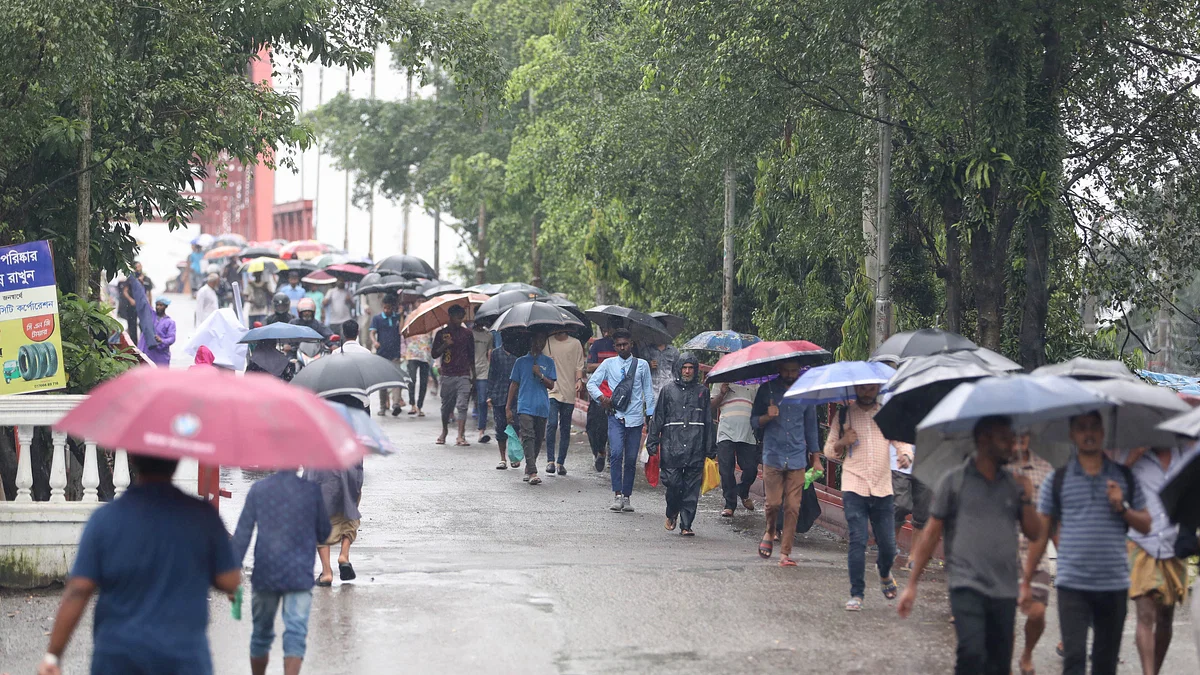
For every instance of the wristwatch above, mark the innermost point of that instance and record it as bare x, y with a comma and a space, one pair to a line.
49, 660
1124, 507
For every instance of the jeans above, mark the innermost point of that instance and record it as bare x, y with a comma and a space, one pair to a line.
559, 422
532, 432
747, 456
296, 606
1104, 611
481, 406
984, 626
879, 512
624, 443
418, 372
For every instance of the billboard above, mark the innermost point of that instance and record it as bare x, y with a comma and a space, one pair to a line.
30, 337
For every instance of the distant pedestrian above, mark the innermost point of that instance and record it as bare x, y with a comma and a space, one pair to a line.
500, 368
483, 352
336, 303
911, 496
341, 492
790, 444
569, 363
662, 358
980, 506
207, 301
152, 553
349, 333
1028, 466
1092, 502
158, 347
417, 359
624, 422
682, 430
293, 290
127, 308
528, 404
597, 417
867, 496
257, 295
195, 267
290, 516
385, 335
736, 445
455, 346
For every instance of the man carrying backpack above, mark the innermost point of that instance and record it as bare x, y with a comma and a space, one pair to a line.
1093, 502
622, 384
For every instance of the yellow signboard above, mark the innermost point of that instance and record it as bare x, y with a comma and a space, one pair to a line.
30, 336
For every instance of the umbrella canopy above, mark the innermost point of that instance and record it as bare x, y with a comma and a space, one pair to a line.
944, 436
298, 266
835, 382
270, 360
1133, 423
762, 360
436, 287
230, 239
222, 252
347, 272
215, 417
256, 252
263, 264
534, 315
435, 312
496, 305
724, 341
407, 266
328, 259
922, 342
673, 324
281, 331
203, 240
303, 250
994, 360
350, 373
582, 333
530, 292
369, 433
320, 277
645, 328
1088, 369
1187, 424
1181, 493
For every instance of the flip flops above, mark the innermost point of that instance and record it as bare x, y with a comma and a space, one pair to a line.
669, 525
324, 584
766, 547
346, 571
786, 561
502, 466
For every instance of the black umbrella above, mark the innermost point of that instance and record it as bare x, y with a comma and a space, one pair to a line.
406, 265
436, 287
301, 267
582, 333
534, 315
496, 305
645, 328
673, 324
1181, 493
921, 383
257, 252
530, 292
922, 342
354, 373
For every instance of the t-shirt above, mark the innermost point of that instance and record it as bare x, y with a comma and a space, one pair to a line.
294, 293
318, 299
416, 348
532, 397
483, 345
459, 357
1091, 541
387, 335
338, 309
602, 348
734, 424
568, 360
981, 530
154, 553
195, 258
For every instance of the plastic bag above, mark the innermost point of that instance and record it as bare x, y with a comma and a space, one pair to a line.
652, 465
810, 509
712, 475
515, 452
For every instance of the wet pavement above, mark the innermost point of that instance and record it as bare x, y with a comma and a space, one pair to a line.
464, 568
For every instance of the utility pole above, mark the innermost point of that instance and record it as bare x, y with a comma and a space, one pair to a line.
83, 206
727, 295
371, 203
346, 187
481, 230
535, 254
317, 188
408, 197
883, 288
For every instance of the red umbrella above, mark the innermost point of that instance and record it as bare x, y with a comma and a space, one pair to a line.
319, 277
762, 358
347, 272
215, 417
303, 250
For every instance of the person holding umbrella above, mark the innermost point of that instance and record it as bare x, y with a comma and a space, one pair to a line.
455, 346
385, 335
533, 375
157, 344
567, 353
628, 415
682, 428
500, 368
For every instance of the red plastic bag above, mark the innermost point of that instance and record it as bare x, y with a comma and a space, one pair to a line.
652, 470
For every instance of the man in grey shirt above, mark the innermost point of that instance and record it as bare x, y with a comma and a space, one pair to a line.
977, 505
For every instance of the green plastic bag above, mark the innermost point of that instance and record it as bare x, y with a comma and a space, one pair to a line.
811, 476
516, 453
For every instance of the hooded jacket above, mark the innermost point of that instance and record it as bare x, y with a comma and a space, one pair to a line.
682, 426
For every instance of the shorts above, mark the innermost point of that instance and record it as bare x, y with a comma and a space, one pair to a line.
1041, 587
456, 394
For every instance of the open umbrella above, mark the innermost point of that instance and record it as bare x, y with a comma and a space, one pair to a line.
214, 417
320, 278
407, 266
1133, 422
535, 315
350, 373
645, 328
252, 252
347, 272
230, 239
222, 252
303, 250
328, 259
922, 342
203, 240
369, 433
673, 324
944, 436
724, 341
1181, 493
835, 382
263, 264
435, 312
1088, 369
436, 287
582, 333
530, 292
920, 383
496, 305
281, 331
762, 360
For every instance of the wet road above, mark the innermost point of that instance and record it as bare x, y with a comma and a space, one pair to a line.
465, 568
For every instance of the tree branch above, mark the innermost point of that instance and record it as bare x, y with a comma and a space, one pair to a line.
1166, 51
67, 176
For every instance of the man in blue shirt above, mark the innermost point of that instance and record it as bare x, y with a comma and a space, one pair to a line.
195, 261
624, 426
153, 553
532, 377
385, 335
293, 290
1095, 504
291, 520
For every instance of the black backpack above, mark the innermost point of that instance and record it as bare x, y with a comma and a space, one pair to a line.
1057, 486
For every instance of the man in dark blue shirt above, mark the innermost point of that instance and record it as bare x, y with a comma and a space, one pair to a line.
597, 418
153, 553
292, 521
500, 365
385, 335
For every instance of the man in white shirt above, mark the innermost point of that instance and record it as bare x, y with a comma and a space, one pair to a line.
206, 298
736, 445
336, 305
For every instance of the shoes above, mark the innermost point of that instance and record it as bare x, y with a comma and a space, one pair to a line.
618, 503
625, 506
600, 461
562, 470
550, 468
748, 503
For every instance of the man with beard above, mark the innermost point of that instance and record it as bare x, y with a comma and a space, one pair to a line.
682, 429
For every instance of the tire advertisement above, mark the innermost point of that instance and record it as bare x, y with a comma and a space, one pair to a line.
30, 339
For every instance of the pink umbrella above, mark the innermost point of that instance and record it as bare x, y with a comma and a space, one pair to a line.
761, 359
216, 418
347, 271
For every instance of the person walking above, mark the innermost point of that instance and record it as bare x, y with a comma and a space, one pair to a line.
127, 308
257, 295
385, 335
569, 363
911, 496
624, 422
417, 360
682, 430
158, 348
455, 346
207, 301
790, 444
500, 368
662, 358
195, 261
290, 516
1158, 580
597, 417
736, 445
1025, 464
483, 353
336, 304
979, 507
867, 498
293, 290
532, 377
1092, 502
341, 492
152, 554
349, 334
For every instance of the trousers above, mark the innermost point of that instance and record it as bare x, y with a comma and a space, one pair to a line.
731, 455
1104, 612
984, 626
683, 492
784, 489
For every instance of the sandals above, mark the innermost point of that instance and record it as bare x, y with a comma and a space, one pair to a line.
669, 525
440, 441
687, 533
462, 442
420, 413
485, 439
515, 465
727, 513
786, 561
324, 584
766, 547
888, 586
534, 480
397, 410
346, 571
854, 605
503, 466
412, 411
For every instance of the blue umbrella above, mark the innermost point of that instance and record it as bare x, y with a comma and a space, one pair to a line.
723, 341
281, 331
369, 433
834, 383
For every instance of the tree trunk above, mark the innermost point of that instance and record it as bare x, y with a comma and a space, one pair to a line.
83, 207
481, 246
989, 259
951, 215
535, 252
727, 265
437, 240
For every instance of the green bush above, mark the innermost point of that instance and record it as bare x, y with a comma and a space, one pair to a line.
88, 357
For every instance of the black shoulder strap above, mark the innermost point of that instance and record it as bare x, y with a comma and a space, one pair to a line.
1130, 481
1056, 488
841, 419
